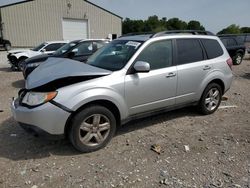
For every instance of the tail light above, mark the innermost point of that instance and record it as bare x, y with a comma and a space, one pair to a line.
230, 63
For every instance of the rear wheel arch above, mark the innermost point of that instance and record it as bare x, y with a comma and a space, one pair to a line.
210, 99
220, 83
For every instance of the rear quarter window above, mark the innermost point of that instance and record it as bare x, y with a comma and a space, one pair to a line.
212, 47
189, 51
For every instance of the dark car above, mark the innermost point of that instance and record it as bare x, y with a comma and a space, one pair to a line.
235, 47
78, 50
245, 38
5, 44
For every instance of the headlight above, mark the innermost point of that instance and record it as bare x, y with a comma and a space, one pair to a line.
33, 64
38, 98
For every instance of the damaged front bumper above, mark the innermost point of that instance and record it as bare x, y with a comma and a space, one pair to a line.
47, 118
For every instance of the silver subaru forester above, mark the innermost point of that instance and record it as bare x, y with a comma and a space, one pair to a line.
131, 77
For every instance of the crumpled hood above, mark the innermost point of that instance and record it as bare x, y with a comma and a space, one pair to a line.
58, 68
18, 51
26, 53
37, 58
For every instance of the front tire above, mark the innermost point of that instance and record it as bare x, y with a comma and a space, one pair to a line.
211, 99
92, 128
21, 62
237, 59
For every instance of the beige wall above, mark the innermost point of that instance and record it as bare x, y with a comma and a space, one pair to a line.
28, 24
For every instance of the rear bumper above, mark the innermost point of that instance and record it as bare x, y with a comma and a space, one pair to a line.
47, 117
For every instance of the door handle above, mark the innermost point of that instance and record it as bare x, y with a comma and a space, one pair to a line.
206, 67
171, 74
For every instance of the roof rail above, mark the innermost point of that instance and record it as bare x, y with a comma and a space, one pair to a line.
137, 33
193, 32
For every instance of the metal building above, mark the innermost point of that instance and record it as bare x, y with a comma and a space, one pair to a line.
32, 22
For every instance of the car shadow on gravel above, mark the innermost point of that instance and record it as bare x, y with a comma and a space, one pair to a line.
16, 144
19, 84
246, 76
159, 118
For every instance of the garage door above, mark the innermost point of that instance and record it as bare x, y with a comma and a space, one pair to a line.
75, 29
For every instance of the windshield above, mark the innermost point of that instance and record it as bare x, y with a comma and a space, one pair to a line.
39, 47
115, 55
64, 48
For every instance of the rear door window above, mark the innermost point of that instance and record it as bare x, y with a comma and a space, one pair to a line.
212, 47
54, 47
231, 42
189, 51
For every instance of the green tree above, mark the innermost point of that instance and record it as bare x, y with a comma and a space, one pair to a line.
176, 24
154, 24
245, 30
232, 29
131, 26
195, 25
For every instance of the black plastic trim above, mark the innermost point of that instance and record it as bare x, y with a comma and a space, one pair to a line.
61, 106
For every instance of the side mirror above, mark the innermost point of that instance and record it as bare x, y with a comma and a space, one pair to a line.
142, 66
43, 50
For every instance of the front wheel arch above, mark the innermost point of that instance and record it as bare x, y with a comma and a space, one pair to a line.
21, 60
105, 103
87, 134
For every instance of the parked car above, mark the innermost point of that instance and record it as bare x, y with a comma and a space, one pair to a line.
5, 44
245, 38
131, 77
78, 50
235, 47
17, 57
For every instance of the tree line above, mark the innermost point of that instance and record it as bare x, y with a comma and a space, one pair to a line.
154, 24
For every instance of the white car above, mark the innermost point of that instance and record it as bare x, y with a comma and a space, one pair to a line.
16, 57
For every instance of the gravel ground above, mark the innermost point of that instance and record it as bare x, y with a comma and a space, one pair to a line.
195, 151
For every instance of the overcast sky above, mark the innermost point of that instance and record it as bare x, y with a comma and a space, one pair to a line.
213, 14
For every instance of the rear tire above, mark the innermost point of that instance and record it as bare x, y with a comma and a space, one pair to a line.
7, 47
237, 59
92, 128
211, 98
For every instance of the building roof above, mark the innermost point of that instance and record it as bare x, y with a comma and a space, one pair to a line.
25, 1
14, 3
103, 9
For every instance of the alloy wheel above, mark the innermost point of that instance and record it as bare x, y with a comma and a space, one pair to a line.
94, 130
212, 99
